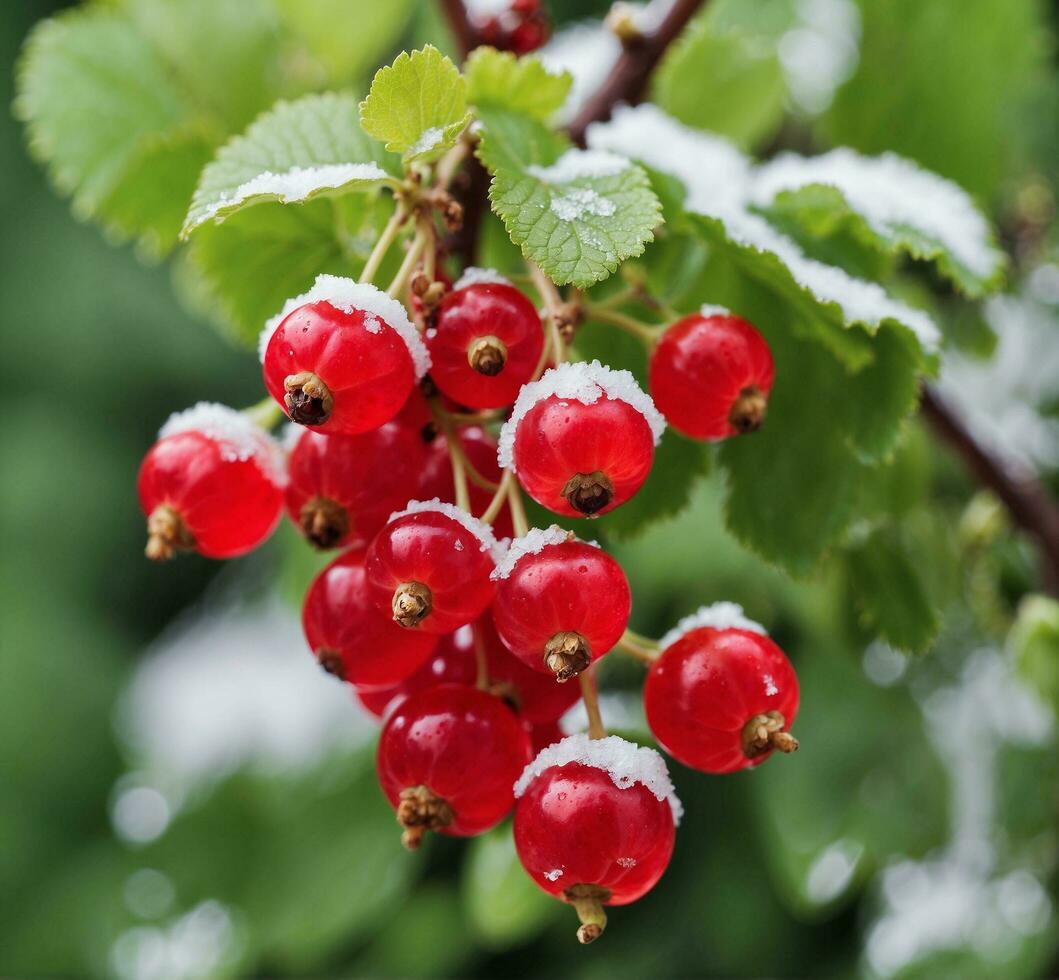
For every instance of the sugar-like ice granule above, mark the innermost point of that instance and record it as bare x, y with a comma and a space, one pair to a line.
475, 276
719, 616
347, 295
713, 309
533, 542
625, 762
483, 532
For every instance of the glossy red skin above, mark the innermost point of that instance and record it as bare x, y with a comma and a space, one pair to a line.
572, 587
703, 689
433, 549
369, 475
559, 438
230, 507
574, 819
544, 735
467, 746
437, 480
700, 366
339, 615
481, 310
368, 374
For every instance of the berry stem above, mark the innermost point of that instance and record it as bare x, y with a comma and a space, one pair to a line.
587, 901
639, 647
496, 504
266, 413
518, 509
644, 332
590, 695
555, 310
386, 239
481, 680
457, 455
415, 250
425, 224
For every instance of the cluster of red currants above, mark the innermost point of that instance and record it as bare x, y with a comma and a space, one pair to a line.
464, 643
520, 26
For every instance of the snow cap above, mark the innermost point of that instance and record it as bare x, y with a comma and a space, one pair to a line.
719, 616
483, 532
533, 542
475, 276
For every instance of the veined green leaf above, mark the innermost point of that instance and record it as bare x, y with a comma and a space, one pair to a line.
499, 79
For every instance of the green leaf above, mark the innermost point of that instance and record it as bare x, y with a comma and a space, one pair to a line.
577, 214
524, 85
890, 595
726, 82
1034, 643
294, 153
502, 904
417, 106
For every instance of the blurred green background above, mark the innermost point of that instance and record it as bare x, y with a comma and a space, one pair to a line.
182, 793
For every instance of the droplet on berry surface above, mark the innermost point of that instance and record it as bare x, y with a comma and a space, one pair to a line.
343, 357
350, 637
581, 439
429, 567
722, 696
560, 603
213, 482
711, 375
595, 823
447, 760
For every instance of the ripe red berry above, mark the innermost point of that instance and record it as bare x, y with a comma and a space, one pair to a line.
722, 695
430, 566
448, 759
594, 824
520, 28
213, 483
544, 735
350, 637
711, 375
342, 357
560, 603
581, 439
342, 489
486, 341
480, 449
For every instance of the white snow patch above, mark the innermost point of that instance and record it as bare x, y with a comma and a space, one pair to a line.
475, 276
625, 762
719, 616
347, 295
238, 436
554, 875
532, 543
427, 141
298, 183
470, 523
583, 381
588, 51
713, 309
577, 164
576, 204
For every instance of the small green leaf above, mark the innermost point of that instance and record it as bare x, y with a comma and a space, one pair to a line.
296, 152
890, 594
417, 106
499, 79
576, 213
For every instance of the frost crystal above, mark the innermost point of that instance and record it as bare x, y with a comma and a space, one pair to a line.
474, 276
712, 309
577, 164
719, 616
585, 382
554, 875
347, 296
237, 435
430, 138
581, 201
532, 543
483, 532
625, 762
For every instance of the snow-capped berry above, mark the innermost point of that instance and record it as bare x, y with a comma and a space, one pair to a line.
452, 662
711, 375
430, 565
350, 637
342, 357
594, 824
521, 27
342, 489
560, 603
581, 439
213, 483
722, 695
485, 343
448, 759
480, 449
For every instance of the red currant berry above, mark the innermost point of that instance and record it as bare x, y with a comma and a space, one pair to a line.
430, 567
437, 481
560, 603
342, 358
541, 736
453, 662
213, 483
342, 489
594, 824
721, 696
448, 758
531, 34
486, 341
711, 375
350, 637
581, 439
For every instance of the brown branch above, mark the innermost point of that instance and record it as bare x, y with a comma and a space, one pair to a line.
464, 32
628, 78
1018, 486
